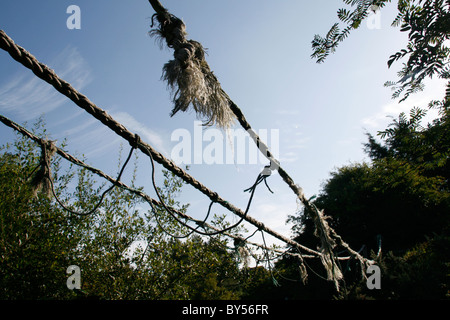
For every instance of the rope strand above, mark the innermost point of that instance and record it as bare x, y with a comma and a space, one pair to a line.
99, 203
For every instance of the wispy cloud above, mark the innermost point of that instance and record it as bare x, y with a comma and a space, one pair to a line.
388, 110
72, 67
30, 97
296, 141
433, 90
146, 133
93, 138
287, 112
393, 109
289, 157
96, 139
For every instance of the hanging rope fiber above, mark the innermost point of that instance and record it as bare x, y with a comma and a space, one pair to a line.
41, 180
188, 74
104, 193
171, 213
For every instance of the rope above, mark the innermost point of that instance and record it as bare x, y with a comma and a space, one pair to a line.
171, 213
261, 177
104, 193
41, 176
139, 193
238, 239
275, 282
173, 30
189, 75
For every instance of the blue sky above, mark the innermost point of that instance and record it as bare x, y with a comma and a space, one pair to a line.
259, 50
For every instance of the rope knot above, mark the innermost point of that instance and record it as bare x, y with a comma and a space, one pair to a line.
215, 197
189, 76
171, 28
135, 143
266, 172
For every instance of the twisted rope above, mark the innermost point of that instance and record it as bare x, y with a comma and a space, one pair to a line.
173, 29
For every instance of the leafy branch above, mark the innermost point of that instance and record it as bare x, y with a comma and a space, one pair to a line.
428, 25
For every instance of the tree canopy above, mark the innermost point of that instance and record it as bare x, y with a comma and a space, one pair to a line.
122, 251
396, 208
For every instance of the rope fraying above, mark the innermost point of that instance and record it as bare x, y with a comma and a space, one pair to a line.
41, 180
188, 75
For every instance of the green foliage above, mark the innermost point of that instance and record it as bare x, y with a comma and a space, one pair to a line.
403, 195
429, 27
427, 51
35, 238
322, 47
425, 148
121, 250
421, 273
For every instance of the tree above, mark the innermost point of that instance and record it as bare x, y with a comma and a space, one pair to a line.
400, 203
428, 25
402, 196
123, 253
36, 238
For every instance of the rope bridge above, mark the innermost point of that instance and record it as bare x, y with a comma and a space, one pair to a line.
176, 39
